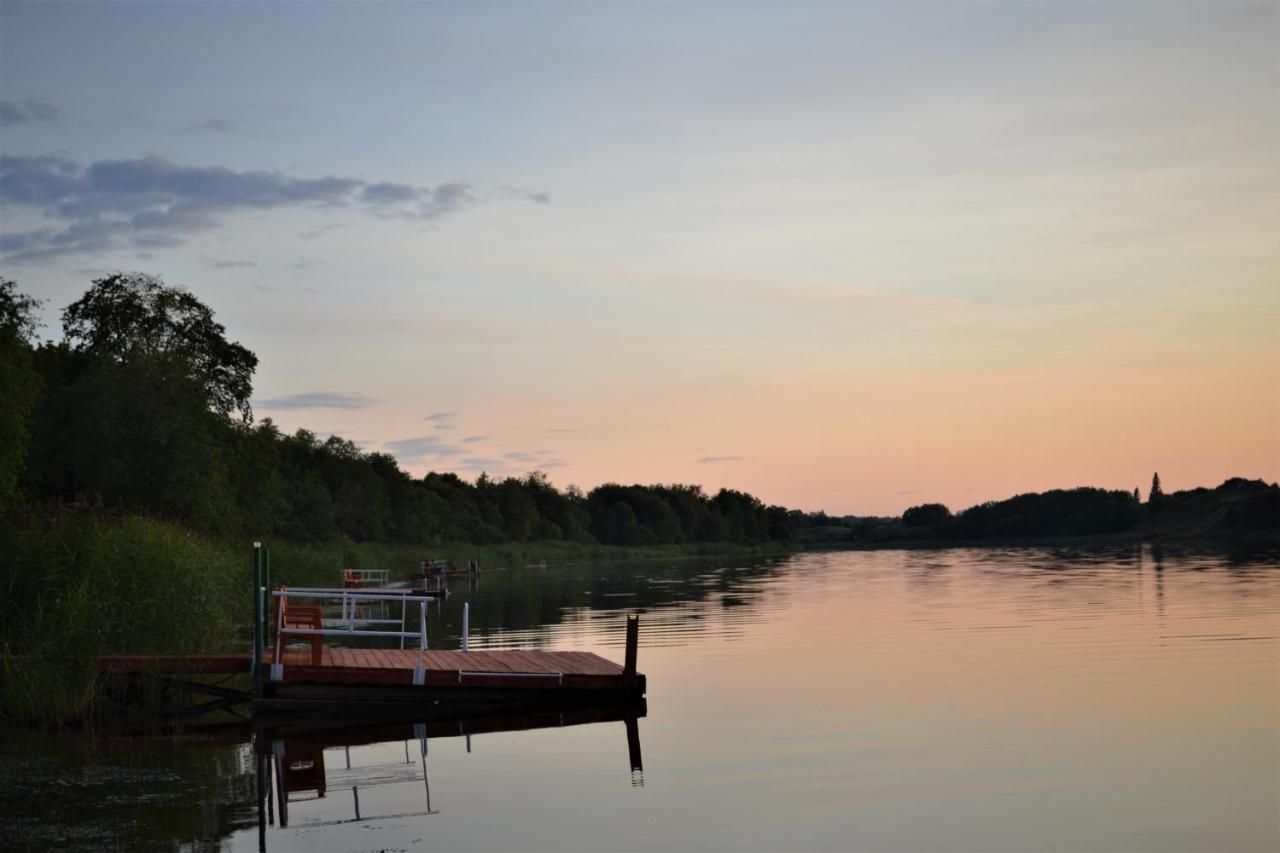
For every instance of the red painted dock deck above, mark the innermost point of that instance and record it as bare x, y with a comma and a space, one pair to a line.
523, 669
364, 676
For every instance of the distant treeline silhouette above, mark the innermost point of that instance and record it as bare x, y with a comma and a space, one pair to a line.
144, 407
1237, 506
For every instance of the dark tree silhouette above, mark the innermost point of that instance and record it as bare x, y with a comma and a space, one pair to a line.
133, 317
926, 515
17, 312
20, 385
1156, 492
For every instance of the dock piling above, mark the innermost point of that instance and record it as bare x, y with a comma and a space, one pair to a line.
466, 625
633, 640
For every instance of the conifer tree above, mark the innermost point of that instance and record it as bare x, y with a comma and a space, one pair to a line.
1156, 492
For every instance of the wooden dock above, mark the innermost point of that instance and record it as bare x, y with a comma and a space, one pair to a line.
394, 676
174, 664
293, 668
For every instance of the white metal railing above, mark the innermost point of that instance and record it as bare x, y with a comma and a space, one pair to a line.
346, 627
349, 598
366, 577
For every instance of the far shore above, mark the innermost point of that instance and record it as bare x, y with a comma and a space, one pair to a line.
1210, 541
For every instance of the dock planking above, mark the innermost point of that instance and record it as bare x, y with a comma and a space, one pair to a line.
524, 669
367, 677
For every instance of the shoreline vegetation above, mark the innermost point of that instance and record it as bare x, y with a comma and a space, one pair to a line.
82, 585
1237, 511
133, 478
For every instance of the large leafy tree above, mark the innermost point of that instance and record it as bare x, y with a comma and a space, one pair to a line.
134, 317
19, 384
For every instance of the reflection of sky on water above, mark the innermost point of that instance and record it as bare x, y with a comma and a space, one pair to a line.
1073, 699
1010, 699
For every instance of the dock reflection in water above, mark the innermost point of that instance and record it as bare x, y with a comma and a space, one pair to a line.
315, 772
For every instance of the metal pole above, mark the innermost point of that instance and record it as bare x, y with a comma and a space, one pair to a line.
257, 617
422, 610
279, 655
466, 626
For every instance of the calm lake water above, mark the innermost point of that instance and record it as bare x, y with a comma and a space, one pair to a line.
890, 700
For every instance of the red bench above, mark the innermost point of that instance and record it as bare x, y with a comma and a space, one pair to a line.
305, 616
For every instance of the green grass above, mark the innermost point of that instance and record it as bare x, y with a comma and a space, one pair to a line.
76, 588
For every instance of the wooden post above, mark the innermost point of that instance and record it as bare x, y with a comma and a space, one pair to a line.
633, 639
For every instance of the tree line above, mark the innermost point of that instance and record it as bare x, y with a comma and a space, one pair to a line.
144, 407
1237, 507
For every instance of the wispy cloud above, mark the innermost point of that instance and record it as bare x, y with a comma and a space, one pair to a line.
708, 460
211, 125
231, 265
475, 439
316, 400
423, 447
152, 202
26, 111
566, 429
441, 416
477, 463
523, 456
316, 233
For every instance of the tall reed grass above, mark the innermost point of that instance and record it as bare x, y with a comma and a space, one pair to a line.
75, 587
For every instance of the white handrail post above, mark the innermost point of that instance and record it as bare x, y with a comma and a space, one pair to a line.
466, 625
422, 613
279, 631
